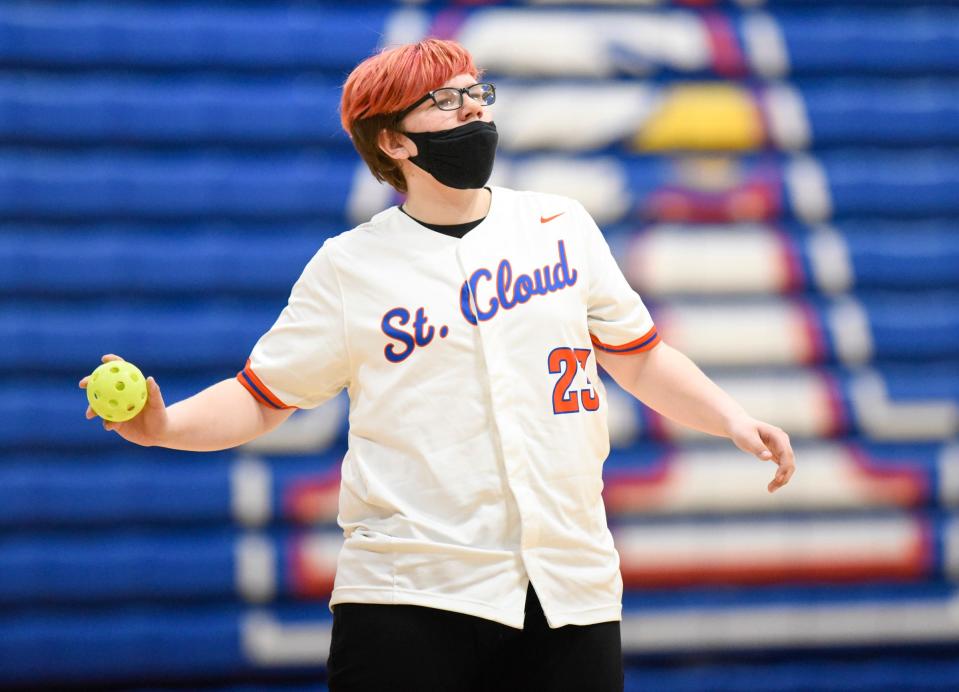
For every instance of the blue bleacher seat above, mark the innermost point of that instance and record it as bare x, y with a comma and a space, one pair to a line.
191, 35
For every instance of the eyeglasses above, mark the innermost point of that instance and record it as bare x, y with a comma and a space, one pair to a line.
451, 98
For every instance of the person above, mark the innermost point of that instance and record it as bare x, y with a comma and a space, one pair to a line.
467, 325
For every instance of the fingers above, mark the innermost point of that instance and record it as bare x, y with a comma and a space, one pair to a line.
753, 443
778, 441
774, 438
154, 396
769, 443
782, 477
83, 385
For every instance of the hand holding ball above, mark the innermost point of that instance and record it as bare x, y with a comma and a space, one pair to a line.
117, 391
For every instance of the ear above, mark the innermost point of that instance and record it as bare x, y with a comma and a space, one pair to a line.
395, 144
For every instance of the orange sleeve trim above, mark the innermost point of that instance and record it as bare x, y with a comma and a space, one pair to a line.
260, 391
643, 343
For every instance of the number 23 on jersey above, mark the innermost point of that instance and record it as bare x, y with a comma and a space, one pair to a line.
565, 362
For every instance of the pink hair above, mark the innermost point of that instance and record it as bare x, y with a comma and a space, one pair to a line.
384, 84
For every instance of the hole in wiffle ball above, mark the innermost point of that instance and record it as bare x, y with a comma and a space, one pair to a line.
113, 402
130, 407
143, 395
120, 386
96, 396
114, 369
134, 377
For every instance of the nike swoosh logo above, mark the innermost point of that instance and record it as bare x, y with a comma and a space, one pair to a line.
547, 219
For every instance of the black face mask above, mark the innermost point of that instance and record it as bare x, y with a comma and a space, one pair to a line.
461, 157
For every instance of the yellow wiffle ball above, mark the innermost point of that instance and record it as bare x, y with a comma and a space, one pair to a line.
117, 391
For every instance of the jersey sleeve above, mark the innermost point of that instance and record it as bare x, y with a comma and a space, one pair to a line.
618, 320
302, 360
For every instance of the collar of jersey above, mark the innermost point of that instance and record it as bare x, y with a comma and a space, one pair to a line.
433, 236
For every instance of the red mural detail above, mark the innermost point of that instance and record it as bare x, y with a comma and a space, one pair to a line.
638, 490
307, 579
902, 483
312, 500
728, 59
913, 564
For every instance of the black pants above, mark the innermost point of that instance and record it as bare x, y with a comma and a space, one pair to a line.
393, 648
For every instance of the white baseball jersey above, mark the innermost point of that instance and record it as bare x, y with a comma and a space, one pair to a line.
477, 428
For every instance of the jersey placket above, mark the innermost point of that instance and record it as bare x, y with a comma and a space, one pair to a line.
496, 350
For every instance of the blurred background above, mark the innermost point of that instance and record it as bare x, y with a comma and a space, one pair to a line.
779, 180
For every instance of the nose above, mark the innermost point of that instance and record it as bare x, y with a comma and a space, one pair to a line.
471, 110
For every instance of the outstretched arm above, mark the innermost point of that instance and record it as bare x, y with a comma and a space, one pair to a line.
670, 383
223, 415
